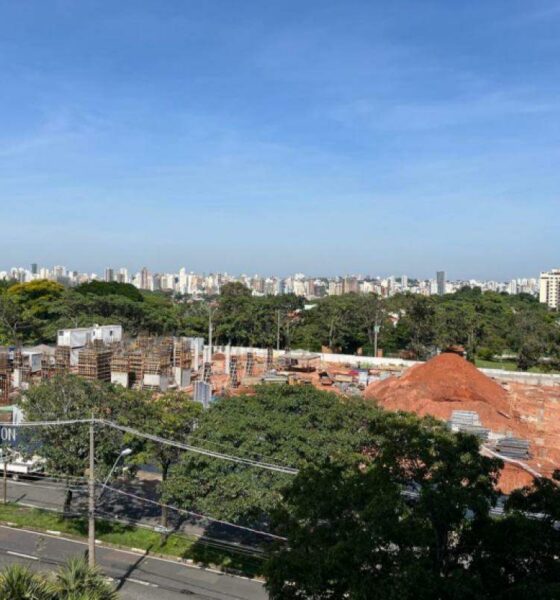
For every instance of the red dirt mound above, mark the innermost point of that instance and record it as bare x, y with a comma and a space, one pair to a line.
444, 384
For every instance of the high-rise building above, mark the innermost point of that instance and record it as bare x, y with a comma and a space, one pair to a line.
550, 288
144, 279
440, 279
109, 275
34, 269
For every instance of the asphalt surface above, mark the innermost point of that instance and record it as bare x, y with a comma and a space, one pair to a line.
135, 576
48, 493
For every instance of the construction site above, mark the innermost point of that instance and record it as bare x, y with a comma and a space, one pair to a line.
516, 416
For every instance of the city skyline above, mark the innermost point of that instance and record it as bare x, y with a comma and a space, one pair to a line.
35, 267
198, 284
271, 138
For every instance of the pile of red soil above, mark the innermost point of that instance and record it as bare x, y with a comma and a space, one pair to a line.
444, 384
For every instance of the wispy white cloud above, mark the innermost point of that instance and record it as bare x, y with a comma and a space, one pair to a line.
446, 113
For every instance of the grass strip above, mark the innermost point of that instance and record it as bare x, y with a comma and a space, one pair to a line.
173, 545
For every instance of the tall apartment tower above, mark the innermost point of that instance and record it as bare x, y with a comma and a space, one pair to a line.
550, 288
440, 279
34, 269
109, 275
144, 279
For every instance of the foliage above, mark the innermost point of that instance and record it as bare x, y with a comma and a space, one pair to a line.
524, 549
177, 545
486, 324
66, 448
411, 520
73, 581
111, 288
290, 426
18, 582
174, 416
77, 580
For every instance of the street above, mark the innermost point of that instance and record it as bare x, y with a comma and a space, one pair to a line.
48, 493
135, 576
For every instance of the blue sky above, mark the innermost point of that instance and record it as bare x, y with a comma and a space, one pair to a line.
279, 136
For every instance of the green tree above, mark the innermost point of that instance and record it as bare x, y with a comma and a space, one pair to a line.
12, 320
288, 425
18, 582
173, 416
372, 314
397, 522
66, 448
420, 320
111, 288
530, 336
76, 580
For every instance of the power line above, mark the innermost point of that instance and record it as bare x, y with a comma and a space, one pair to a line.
203, 451
194, 514
154, 438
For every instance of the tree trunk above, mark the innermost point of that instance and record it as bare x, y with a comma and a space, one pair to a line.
164, 510
68, 498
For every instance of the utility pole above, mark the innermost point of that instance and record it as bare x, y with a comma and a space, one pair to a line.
210, 334
5, 457
375, 334
91, 488
278, 329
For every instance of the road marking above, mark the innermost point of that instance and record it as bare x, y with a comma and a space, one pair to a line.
176, 561
20, 555
146, 583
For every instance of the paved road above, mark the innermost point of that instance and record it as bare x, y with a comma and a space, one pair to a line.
135, 576
49, 494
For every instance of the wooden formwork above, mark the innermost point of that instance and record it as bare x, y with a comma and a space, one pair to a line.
182, 354
233, 378
157, 362
120, 362
207, 372
136, 365
62, 359
94, 363
249, 364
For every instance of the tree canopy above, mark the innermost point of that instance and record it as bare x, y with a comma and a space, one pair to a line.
410, 519
486, 324
290, 426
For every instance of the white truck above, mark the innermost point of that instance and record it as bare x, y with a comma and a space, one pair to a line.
17, 466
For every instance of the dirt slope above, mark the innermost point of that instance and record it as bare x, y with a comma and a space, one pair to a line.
444, 384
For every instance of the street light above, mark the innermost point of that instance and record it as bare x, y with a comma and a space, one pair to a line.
123, 454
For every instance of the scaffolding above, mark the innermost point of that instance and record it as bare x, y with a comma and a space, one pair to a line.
182, 354
48, 366
94, 362
207, 372
233, 379
249, 364
62, 359
136, 366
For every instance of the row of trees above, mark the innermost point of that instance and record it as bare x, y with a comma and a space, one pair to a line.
385, 505
486, 324
66, 449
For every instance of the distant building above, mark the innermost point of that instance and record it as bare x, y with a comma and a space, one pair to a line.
109, 275
440, 279
144, 279
34, 269
550, 288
